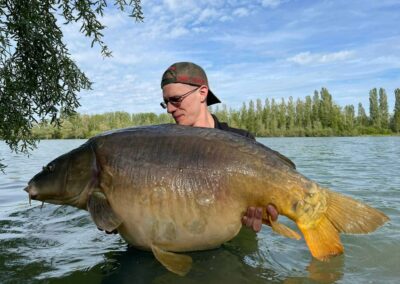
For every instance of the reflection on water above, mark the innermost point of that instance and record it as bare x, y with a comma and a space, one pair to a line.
222, 265
60, 244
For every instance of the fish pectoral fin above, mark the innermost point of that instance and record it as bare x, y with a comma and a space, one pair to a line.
176, 263
284, 230
102, 213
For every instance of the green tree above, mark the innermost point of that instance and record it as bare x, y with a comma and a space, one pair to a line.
326, 107
291, 114
243, 115
251, 119
383, 109
259, 118
38, 78
396, 112
374, 108
315, 108
282, 118
266, 115
349, 117
308, 112
362, 118
273, 122
337, 118
299, 114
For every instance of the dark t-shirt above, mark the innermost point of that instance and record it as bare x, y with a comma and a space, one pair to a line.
226, 127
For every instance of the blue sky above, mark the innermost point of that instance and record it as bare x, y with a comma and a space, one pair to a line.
249, 50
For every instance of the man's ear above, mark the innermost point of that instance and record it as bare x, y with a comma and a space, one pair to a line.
203, 93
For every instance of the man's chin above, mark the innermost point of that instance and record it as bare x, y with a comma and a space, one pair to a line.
181, 120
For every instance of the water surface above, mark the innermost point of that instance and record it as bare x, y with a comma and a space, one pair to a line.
60, 244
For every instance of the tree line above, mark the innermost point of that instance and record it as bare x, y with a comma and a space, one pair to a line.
318, 115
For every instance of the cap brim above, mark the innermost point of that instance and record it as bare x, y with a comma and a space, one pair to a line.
212, 99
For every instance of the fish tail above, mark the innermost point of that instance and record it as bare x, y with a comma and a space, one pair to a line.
341, 214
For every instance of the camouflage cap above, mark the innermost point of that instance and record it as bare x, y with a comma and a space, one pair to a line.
188, 73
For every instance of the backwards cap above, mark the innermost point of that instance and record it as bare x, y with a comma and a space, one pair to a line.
188, 73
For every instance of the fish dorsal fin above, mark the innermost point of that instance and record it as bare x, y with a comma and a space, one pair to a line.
176, 263
102, 213
284, 230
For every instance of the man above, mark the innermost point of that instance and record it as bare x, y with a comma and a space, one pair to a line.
187, 95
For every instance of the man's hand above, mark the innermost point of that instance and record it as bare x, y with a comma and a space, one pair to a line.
253, 218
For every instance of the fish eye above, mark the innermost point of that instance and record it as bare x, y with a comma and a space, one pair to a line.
49, 168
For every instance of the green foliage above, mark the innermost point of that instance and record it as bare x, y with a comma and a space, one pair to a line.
362, 118
374, 112
396, 115
38, 79
318, 116
270, 119
80, 126
383, 109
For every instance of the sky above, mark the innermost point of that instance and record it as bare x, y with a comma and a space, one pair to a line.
249, 49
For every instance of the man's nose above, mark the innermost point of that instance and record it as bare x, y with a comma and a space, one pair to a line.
170, 107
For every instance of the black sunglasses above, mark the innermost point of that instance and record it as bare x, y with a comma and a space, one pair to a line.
176, 100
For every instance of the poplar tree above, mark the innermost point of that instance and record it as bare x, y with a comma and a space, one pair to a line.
349, 117
291, 113
383, 109
274, 117
374, 108
362, 118
315, 107
326, 108
251, 119
243, 115
308, 112
282, 115
396, 112
259, 122
266, 115
299, 114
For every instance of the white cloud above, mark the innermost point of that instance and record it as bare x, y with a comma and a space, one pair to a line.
225, 18
241, 12
177, 32
207, 15
307, 57
271, 3
274, 46
178, 5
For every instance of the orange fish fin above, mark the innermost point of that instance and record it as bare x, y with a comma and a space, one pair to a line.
283, 230
351, 216
176, 263
322, 239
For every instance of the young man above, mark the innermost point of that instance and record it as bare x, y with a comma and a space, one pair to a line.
186, 97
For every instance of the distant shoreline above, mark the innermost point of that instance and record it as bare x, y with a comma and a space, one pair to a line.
333, 136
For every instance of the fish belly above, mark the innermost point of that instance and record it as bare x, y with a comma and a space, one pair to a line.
180, 224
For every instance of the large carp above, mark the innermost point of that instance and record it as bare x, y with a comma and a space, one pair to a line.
171, 188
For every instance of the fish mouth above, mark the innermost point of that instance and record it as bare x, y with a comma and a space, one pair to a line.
32, 195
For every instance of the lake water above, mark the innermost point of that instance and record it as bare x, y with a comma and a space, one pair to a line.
60, 244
